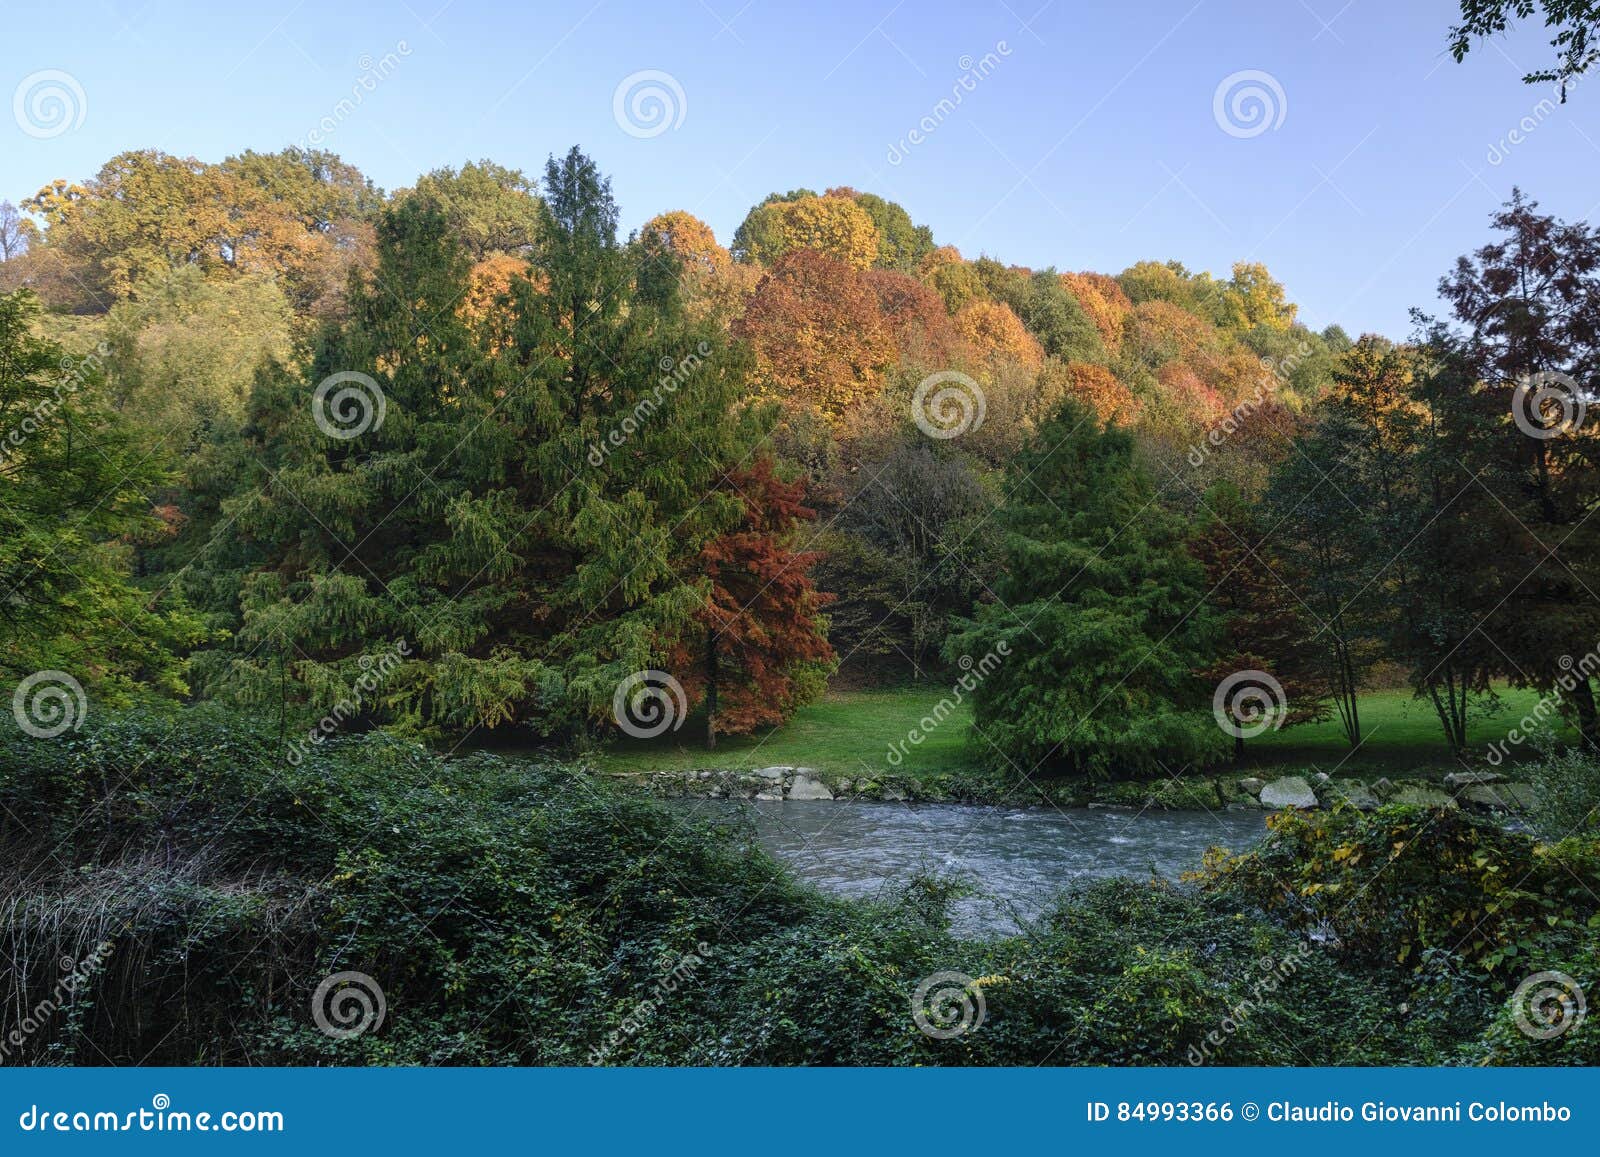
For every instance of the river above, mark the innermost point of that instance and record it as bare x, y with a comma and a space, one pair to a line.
1017, 858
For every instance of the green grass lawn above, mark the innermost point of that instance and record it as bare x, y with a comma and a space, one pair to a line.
1398, 732
843, 732
847, 732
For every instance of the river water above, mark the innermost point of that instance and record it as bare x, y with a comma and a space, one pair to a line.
1017, 858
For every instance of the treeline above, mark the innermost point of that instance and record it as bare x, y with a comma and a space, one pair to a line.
467, 437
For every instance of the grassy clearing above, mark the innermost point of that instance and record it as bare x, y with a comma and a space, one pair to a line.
844, 732
850, 732
1398, 733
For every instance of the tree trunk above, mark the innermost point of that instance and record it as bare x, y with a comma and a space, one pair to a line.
711, 689
1583, 700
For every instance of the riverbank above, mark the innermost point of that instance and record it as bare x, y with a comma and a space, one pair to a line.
1481, 791
864, 734
851, 745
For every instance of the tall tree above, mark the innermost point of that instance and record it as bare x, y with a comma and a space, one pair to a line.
760, 648
1099, 616
819, 338
530, 510
73, 486
1515, 358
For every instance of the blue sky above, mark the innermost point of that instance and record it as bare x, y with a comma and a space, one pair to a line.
1091, 142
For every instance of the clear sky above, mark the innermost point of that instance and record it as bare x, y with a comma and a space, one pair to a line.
1092, 140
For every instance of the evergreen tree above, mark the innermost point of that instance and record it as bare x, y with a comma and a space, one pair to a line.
529, 513
1099, 617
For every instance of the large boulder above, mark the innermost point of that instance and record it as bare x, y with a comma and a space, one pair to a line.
1490, 798
1471, 778
806, 786
1251, 785
1350, 792
1289, 791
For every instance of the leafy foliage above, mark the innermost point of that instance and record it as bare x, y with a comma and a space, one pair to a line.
521, 913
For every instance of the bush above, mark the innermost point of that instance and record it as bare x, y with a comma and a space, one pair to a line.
1566, 784
1389, 887
519, 912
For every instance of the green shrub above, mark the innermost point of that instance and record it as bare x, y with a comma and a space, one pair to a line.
518, 912
1566, 784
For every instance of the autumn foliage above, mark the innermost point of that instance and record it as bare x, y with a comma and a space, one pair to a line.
1104, 301
760, 628
996, 333
820, 339
1101, 390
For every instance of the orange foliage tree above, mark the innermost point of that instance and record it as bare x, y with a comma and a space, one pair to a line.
916, 315
1104, 301
1104, 393
994, 332
820, 340
1187, 395
712, 283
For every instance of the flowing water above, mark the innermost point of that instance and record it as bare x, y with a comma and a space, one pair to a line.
1017, 858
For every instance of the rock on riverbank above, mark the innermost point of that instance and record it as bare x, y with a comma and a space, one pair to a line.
1479, 791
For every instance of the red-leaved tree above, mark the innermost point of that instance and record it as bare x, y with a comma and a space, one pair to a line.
761, 632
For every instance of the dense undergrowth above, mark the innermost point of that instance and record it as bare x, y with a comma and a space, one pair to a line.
516, 912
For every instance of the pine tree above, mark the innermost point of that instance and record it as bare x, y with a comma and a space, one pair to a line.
1099, 624
529, 513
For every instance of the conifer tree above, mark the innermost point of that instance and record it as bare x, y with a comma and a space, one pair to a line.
529, 512
1100, 616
